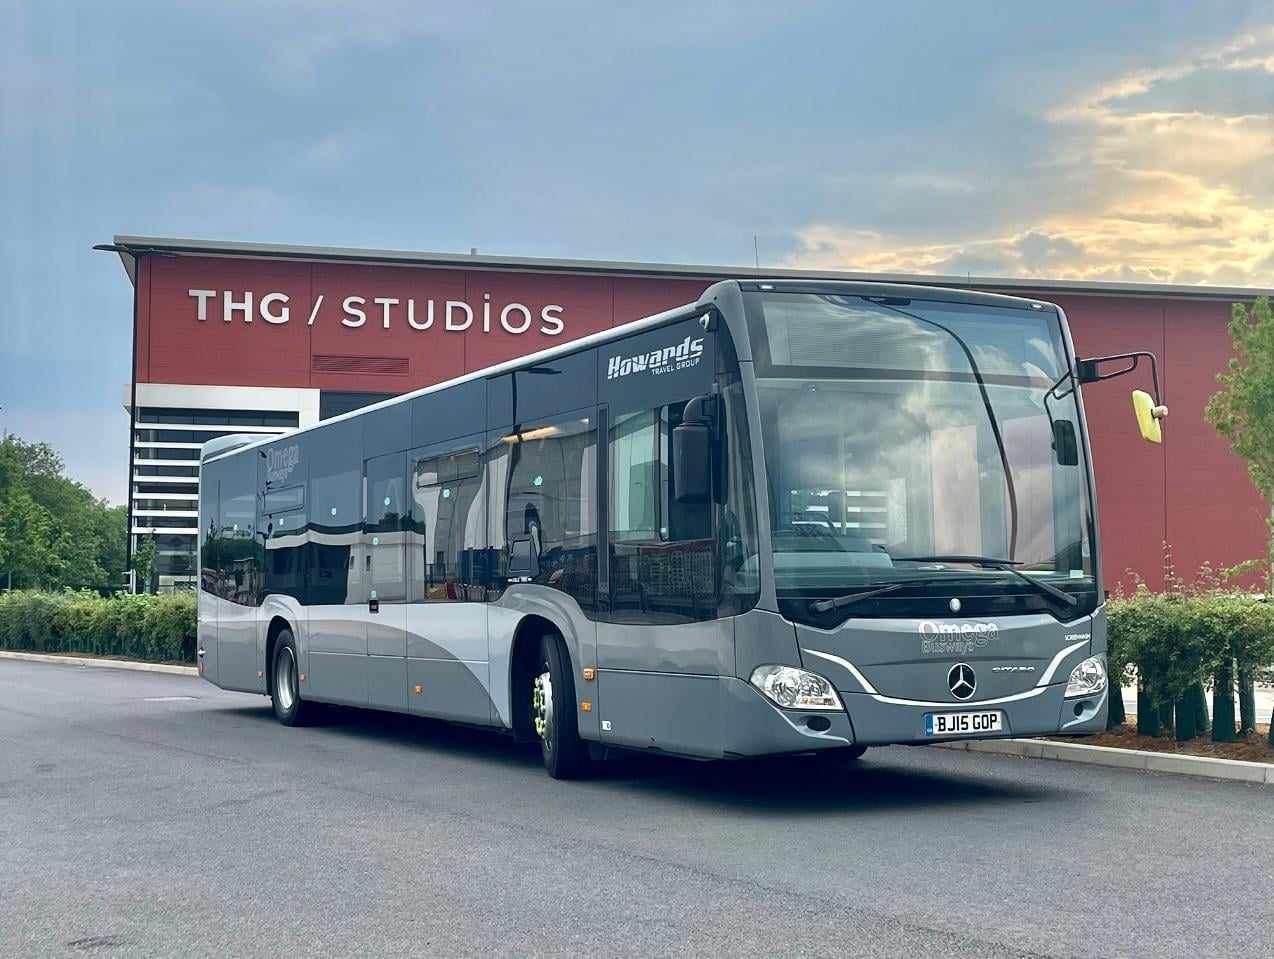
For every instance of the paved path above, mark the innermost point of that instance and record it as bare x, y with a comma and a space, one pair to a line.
146, 814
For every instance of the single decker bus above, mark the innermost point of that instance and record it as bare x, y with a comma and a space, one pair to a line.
791, 517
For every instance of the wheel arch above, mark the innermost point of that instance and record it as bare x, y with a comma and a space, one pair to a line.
278, 623
523, 654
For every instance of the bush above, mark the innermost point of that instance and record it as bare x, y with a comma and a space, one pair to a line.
1173, 642
153, 628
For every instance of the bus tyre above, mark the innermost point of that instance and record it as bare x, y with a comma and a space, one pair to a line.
285, 686
553, 711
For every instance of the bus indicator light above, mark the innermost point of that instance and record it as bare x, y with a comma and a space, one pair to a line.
586, 706
589, 674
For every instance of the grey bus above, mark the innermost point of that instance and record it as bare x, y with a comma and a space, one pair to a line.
791, 517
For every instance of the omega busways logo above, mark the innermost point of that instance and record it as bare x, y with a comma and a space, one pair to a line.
279, 463
684, 355
955, 639
454, 316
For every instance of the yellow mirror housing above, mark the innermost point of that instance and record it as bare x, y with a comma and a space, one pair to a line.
1148, 416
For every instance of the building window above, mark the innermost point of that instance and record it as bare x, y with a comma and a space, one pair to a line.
196, 417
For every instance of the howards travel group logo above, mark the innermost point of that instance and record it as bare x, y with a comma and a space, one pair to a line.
683, 356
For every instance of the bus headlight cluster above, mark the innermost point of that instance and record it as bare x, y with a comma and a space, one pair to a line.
794, 688
1088, 678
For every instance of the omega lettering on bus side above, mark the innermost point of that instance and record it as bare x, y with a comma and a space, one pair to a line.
955, 639
280, 463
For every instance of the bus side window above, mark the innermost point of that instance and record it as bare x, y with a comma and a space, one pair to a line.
547, 498
448, 511
662, 553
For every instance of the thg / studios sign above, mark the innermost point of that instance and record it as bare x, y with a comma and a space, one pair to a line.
454, 316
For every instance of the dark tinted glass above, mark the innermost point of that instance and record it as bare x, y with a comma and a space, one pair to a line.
552, 388
665, 365
209, 570
163, 453
237, 551
285, 525
218, 417
168, 470
165, 522
675, 562
387, 515
335, 511
446, 414
278, 500
180, 436
547, 495
500, 401
448, 528
387, 430
190, 488
662, 562
166, 505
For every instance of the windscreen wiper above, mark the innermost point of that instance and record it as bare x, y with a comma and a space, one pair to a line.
1010, 486
994, 562
836, 602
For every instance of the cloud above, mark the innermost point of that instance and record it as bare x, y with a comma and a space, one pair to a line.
1166, 175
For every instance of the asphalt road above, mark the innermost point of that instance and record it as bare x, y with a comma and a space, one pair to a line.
147, 814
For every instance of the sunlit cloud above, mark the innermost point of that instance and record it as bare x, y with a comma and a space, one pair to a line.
1168, 173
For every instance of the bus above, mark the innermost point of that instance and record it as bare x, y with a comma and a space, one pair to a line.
790, 517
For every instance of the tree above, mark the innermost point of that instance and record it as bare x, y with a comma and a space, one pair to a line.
54, 533
25, 555
144, 562
1243, 412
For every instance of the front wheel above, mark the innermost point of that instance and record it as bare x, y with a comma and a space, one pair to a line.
553, 711
285, 686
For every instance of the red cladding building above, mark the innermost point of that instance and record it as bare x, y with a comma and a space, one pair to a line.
233, 338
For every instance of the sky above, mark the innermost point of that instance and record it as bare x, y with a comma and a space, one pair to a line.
1130, 141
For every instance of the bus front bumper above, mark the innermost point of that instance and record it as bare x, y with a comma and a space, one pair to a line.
754, 726
877, 720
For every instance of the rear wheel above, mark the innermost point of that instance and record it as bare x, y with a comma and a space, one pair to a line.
553, 711
285, 684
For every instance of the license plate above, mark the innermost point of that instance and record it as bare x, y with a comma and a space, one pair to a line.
963, 724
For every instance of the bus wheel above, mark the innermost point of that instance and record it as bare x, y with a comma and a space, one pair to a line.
285, 686
553, 711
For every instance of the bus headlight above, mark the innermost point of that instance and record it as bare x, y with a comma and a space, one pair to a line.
794, 688
1088, 678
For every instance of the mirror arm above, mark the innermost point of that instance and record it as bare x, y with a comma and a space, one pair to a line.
1089, 373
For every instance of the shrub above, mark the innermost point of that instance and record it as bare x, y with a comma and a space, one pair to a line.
154, 628
1172, 642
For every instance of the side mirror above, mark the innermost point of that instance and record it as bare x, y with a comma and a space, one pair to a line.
692, 451
1065, 445
1148, 412
524, 562
1148, 416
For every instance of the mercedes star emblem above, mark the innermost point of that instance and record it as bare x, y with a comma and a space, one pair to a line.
954, 604
961, 681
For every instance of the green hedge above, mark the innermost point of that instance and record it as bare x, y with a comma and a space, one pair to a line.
1172, 644
153, 628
